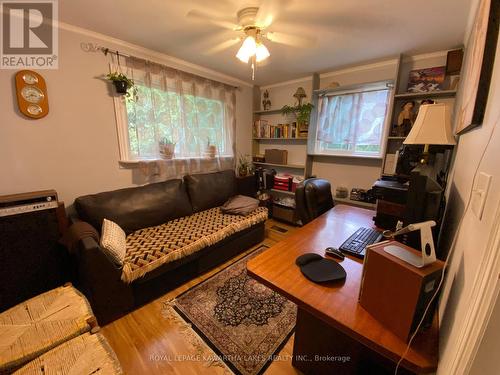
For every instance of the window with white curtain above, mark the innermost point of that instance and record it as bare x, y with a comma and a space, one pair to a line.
189, 111
352, 122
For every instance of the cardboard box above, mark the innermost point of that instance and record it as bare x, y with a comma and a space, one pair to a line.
276, 156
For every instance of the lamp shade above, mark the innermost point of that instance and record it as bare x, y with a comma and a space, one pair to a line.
432, 126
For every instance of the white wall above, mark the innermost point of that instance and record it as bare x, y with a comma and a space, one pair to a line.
473, 237
486, 361
74, 149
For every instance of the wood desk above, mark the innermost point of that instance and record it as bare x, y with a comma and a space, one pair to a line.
330, 321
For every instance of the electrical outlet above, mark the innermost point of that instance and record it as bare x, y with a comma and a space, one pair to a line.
480, 193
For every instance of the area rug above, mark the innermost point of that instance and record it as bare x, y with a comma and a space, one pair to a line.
243, 321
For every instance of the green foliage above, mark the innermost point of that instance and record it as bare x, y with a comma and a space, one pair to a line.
132, 91
166, 141
161, 115
244, 165
301, 112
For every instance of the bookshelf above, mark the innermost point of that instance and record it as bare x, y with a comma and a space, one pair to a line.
399, 97
278, 131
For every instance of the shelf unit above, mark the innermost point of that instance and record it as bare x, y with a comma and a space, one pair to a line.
298, 167
393, 143
280, 139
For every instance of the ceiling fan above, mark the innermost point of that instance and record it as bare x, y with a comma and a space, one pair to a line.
253, 24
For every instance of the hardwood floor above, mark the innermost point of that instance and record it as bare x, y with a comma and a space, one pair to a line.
147, 343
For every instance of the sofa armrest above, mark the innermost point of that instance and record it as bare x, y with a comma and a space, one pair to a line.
100, 280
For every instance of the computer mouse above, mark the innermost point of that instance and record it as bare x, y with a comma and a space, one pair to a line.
333, 251
307, 258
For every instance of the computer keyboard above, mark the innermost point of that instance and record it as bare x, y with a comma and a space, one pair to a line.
357, 242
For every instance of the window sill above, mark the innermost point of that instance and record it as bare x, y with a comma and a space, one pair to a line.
133, 164
350, 156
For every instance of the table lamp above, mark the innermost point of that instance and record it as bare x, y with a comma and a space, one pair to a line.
432, 127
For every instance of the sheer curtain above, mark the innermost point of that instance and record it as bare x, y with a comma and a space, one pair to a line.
352, 122
194, 113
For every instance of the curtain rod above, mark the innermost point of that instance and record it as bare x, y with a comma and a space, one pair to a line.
90, 47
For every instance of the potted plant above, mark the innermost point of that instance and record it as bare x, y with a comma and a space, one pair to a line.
167, 148
211, 150
302, 112
244, 165
123, 85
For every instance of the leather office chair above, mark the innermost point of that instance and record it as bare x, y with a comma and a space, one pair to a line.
313, 197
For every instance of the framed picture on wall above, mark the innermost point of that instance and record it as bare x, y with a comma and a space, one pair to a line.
478, 67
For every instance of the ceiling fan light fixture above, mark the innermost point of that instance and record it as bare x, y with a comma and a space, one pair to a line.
247, 49
261, 52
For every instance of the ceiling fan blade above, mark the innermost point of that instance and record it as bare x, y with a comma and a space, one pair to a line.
268, 11
208, 18
291, 40
222, 46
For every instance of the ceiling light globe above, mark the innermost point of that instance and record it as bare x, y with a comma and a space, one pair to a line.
247, 49
261, 52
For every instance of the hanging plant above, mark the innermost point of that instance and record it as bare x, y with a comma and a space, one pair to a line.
123, 85
302, 112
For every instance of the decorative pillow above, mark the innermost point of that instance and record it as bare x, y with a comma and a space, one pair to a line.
113, 241
240, 205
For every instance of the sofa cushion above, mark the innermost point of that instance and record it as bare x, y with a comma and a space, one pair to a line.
149, 248
113, 241
240, 205
210, 190
137, 207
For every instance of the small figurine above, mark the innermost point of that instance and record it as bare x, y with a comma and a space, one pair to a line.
405, 119
266, 103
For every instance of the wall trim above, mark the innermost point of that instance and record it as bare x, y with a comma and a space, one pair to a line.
358, 68
289, 82
483, 298
155, 55
424, 56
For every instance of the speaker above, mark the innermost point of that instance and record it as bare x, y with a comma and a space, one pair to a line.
31, 259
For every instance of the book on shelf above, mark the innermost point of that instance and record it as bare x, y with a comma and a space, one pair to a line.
262, 129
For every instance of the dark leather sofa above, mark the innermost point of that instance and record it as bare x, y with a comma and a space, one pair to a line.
151, 205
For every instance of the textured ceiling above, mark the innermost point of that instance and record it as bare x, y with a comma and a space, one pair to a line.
346, 31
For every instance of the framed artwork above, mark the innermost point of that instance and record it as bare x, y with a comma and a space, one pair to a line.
478, 67
425, 80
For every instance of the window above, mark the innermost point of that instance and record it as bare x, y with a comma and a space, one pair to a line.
194, 115
352, 122
191, 122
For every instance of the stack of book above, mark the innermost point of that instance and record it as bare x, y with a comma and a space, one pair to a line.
262, 129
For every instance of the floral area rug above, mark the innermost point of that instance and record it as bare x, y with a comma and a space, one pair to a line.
243, 321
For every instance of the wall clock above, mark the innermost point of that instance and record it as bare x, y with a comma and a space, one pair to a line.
31, 91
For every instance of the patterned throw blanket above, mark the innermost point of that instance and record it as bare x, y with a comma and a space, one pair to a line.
149, 248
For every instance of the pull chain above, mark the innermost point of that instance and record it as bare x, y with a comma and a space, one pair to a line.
253, 68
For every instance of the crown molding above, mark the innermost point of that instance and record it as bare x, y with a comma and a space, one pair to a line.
155, 55
358, 68
285, 83
425, 56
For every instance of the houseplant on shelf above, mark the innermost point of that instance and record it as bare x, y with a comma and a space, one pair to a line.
302, 112
167, 148
123, 85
